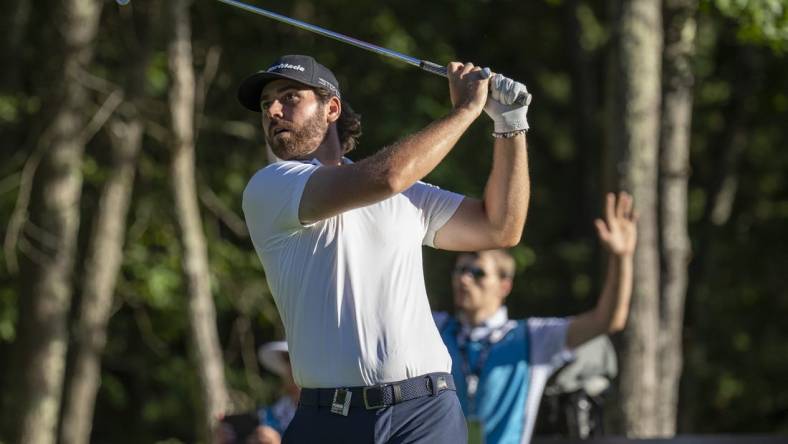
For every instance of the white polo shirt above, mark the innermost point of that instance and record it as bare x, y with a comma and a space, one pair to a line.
350, 288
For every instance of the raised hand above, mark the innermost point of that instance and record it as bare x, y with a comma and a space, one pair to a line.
468, 85
507, 115
618, 232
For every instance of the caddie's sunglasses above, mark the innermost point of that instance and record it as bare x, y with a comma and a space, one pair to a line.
474, 271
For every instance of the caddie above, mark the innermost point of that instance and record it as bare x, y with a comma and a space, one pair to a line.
501, 365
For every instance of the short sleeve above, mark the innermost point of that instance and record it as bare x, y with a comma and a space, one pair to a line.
548, 341
436, 206
272, 198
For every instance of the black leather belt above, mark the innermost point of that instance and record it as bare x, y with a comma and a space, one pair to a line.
377, 396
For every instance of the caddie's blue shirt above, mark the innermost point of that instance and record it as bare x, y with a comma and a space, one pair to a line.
279, 415
520, 358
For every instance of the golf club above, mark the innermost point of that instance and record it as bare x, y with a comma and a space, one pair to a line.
428, 66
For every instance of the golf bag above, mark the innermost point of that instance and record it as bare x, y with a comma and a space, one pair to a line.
573, 403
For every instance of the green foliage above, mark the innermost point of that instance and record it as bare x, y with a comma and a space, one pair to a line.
157, 76
8, 315
594, 34
760, 21
736, 337
8, 109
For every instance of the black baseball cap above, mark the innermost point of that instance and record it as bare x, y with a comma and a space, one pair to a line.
301, 68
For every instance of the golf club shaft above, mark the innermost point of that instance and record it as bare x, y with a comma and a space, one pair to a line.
423, 64
428, 66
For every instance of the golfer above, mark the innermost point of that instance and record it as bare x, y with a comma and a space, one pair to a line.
341, 242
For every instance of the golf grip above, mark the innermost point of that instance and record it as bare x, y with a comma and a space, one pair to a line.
522, 99
433, 68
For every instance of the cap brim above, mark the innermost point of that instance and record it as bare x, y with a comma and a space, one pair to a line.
252, 86
271, 355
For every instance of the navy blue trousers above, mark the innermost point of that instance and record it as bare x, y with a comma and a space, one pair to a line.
429, 420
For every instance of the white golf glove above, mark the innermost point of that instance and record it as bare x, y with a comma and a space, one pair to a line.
507, 115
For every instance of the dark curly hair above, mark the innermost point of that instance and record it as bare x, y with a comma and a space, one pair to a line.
348, 125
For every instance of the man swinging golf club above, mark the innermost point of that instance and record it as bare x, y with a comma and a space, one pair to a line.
341, 242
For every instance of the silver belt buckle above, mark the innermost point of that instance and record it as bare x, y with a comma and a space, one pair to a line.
341, 402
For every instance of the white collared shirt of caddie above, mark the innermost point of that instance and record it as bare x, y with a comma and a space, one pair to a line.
349, 289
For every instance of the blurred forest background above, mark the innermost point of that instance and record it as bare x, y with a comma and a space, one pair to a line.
131, 299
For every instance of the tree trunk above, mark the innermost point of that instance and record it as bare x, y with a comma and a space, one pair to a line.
49, 240
680, 27
105, 255
635, 125
195, 256
104, 260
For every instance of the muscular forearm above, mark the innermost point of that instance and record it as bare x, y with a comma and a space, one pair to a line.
508, 190
398, 166
332, 190
497, 220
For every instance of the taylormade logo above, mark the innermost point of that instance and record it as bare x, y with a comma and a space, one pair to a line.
286, 66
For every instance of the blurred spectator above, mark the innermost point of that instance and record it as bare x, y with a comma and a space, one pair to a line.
268, 424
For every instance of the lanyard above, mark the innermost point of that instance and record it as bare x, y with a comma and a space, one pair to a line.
472, 374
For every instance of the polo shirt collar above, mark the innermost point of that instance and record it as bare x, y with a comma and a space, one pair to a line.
315, 161
480, 332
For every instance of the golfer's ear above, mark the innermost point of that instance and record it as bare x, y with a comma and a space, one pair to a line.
334, 109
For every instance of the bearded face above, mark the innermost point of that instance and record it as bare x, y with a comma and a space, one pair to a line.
291, 140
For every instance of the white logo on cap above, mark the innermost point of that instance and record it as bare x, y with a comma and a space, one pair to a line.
286, 66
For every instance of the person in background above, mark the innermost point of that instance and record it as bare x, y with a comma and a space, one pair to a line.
268, 424
501, 365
